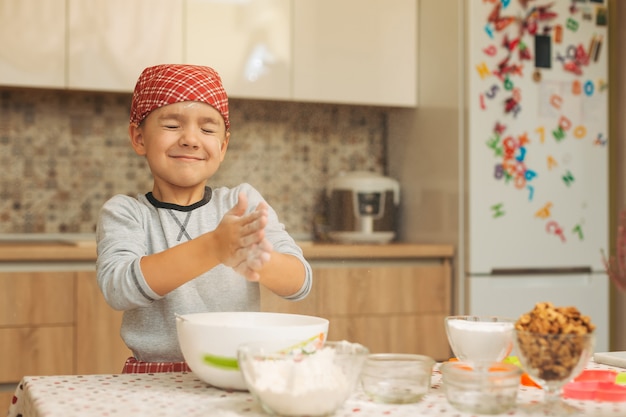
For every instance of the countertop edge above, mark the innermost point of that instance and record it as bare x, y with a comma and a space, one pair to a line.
86, 251
333, 251
47, 253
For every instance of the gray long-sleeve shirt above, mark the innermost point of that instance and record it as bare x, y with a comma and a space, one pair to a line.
130, 228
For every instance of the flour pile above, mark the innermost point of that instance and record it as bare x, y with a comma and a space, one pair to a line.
301, 385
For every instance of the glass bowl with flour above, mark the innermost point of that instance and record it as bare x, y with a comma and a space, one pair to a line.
480, 339
310, 380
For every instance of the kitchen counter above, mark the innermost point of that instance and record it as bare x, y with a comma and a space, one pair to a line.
47, 250
67, 250
176, 394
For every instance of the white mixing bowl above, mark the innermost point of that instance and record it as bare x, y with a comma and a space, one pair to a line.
209, 341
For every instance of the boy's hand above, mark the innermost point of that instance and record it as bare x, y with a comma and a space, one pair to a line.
257, 256
238, 233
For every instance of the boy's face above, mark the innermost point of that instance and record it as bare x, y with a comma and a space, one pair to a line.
184, 144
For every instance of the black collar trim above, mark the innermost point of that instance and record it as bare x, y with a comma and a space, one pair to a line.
159, 204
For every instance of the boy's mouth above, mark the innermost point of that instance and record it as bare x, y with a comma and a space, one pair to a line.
187, 157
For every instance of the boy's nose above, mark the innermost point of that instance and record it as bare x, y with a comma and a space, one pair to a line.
188, 139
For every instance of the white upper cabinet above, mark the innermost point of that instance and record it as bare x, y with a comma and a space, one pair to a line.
247, 42
355, 51
112, 41
32, 52
328, 51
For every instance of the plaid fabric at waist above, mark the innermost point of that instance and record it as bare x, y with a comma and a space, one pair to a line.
134, 366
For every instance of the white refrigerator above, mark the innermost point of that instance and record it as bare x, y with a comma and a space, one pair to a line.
538, 157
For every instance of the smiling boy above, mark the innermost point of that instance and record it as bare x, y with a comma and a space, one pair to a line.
185, 247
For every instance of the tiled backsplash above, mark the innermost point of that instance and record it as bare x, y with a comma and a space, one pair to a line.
64, 153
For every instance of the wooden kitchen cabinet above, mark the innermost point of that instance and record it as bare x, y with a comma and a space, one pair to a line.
112, 41
36, 298
355, 52
99, 346
388, 306
33, 43
55, 323
37, 316
36, 351
248, 43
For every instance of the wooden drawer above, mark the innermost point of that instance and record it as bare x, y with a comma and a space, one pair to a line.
387, 306
393, 289
36, 351
273, 303
421, 334
36, 298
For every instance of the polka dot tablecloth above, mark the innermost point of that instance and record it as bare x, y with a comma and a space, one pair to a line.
183, 394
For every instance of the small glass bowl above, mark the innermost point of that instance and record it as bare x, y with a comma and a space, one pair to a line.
490, 390
397, 378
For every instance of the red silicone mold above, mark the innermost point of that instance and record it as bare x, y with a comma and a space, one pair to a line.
598, 375
596, 385
595, 390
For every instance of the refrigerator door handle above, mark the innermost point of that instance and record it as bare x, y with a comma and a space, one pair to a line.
542, 271
540, 283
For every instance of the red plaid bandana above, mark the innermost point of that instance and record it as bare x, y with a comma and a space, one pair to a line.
161, 85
